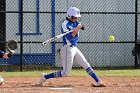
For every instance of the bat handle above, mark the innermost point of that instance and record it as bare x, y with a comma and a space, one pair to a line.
43, 43
50, 40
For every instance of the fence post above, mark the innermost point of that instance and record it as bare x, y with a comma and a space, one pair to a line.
21, 32
136, 29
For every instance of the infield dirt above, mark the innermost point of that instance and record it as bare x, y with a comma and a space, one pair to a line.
71, 85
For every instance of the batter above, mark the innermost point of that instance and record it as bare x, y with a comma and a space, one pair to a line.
69, 52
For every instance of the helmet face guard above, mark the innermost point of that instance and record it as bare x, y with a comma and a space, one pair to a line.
73, 11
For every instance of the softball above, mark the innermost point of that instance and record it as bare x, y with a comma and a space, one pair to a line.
111, 38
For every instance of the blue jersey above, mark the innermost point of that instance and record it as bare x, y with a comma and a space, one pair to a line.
68, 39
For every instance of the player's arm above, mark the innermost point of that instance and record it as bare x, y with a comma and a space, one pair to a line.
3, 54
75, 30
64, 29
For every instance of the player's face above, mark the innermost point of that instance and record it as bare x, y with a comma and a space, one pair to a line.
74, 19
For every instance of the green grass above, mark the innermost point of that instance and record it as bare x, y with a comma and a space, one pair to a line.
130, 72
80, 72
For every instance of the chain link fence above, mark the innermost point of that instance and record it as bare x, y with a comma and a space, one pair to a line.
31, 22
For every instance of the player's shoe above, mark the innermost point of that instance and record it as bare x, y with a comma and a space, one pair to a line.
100, 84
1, 83
42, 80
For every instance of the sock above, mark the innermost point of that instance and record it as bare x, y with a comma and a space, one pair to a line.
53, 75
91, 72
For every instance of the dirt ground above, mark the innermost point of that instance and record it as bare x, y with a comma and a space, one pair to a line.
71, 85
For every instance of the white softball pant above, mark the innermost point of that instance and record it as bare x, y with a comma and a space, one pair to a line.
70, 55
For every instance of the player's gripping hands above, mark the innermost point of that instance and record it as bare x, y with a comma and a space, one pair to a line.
83, 27
80, 26
75, 30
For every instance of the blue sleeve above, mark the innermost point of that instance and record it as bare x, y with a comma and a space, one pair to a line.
77, 22
69, 36
1, 53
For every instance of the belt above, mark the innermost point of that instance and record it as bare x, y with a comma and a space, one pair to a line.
70, 45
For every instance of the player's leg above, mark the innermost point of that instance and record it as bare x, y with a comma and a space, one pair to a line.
67, 61
81, 60
67, 55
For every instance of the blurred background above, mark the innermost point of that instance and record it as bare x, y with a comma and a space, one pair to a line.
31, 22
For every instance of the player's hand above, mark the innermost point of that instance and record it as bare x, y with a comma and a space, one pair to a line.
79, 26
83, 27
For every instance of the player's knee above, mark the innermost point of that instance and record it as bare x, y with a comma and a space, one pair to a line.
85, 66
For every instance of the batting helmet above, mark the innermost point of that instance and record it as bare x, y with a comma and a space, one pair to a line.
73, 11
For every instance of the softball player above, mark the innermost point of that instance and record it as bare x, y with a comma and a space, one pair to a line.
69, 52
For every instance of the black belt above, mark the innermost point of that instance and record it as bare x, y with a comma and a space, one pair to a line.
70, 45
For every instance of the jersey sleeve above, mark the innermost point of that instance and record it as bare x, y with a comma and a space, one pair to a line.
66, 28
69, 36
77, 22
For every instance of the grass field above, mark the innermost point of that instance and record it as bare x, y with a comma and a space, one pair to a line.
81, 72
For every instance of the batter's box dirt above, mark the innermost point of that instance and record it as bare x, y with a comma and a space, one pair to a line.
70, 85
